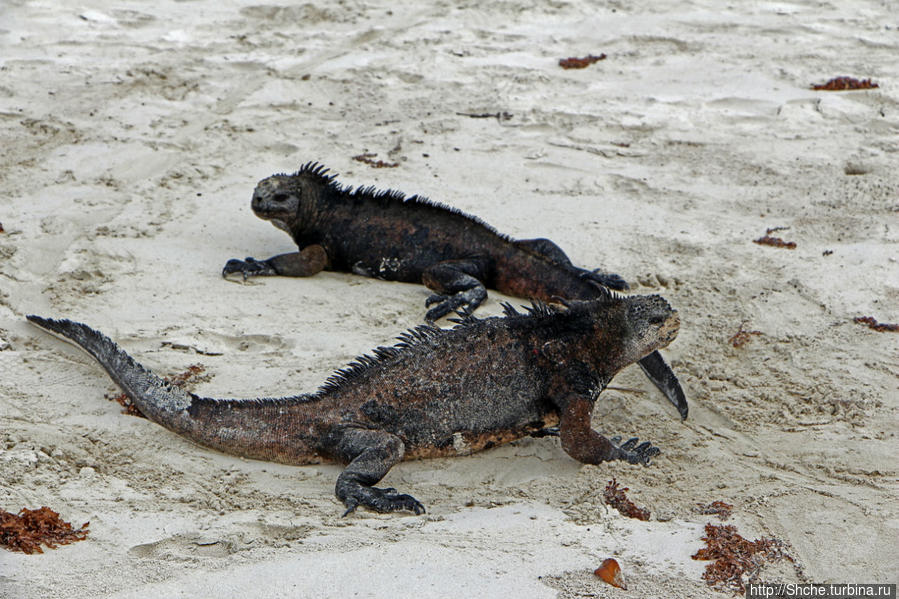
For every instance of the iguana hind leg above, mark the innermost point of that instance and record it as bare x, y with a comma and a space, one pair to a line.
585, 445
545, 247
305, 263
458, 285
371, 454
548, 248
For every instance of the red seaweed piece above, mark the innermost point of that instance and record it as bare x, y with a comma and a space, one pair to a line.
880, 327
735, 556
838, 84
368, 159
573, 62
615, 497
29, 529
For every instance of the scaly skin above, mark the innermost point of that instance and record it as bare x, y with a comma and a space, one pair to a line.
388, 236
439, 392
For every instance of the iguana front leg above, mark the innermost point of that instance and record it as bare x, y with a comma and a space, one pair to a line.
305, 263
370, 453
585, 445
458, 285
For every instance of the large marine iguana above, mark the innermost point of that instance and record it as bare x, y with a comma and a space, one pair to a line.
386, 235
438, 392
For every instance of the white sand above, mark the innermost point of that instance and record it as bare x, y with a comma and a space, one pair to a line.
133, 137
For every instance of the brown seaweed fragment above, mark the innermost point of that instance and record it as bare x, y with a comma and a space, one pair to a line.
880, 327
742, 337
735, 557
193, 374
580, 63
838, 84
716, 508
369, 159
615, 497
767, 239
29, 529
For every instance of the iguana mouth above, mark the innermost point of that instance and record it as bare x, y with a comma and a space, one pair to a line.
669, 330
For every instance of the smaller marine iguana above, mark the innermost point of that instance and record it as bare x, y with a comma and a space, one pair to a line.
438, 392
385, 235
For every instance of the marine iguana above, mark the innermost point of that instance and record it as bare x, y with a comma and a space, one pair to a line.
386, 235
438, 392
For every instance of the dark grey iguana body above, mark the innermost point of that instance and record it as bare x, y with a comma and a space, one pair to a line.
389, 236
439, 392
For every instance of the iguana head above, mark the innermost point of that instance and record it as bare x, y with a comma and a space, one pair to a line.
288, 200
652, 321
277, 198
628, 328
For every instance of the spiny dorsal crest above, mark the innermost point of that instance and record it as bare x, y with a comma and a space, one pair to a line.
537, 309
322, 175
413, 337
318, 172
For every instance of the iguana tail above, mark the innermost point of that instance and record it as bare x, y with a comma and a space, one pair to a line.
255, 428
157, 399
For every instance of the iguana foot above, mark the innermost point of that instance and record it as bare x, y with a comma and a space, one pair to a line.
467, 300
633, 453
606, 279
250, 267
381, 500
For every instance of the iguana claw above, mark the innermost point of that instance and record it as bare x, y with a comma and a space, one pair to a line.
249, 267
463, 302
633, 453
382, 500
606, 279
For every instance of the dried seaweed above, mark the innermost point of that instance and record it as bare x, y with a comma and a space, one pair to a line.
500, 116
580, 63
717, 508
1, 228
29, 529
369, 159
193, 374
775, 242
742, 337
880, 327
735, 557
838, 84
615, 497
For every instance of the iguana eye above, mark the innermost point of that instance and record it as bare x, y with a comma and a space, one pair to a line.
656, 319
280, 197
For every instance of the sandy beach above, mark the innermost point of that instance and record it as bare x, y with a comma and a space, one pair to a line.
134, 134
